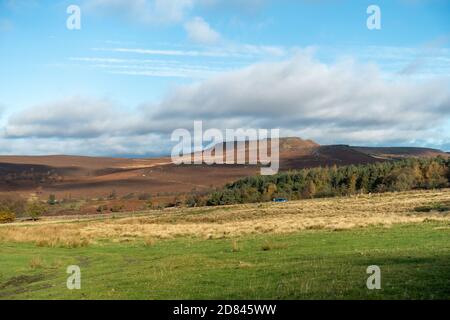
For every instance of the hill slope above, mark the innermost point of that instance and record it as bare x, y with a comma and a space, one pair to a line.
75, 176
401, 152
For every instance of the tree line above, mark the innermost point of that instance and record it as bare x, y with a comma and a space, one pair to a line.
401, 175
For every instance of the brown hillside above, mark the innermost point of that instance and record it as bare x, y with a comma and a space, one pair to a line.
81, 177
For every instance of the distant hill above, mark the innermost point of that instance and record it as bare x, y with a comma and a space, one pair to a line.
401, 152
78, 177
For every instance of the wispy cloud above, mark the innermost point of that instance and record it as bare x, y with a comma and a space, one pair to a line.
185, 72
197, 62
157, 52
153, 67
223, 51
419, 62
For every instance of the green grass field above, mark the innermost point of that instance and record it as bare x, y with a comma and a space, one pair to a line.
316, 264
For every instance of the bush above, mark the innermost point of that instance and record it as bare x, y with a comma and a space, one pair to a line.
129, 196
145, 196
117, 208
102, 208
149, 204
14, 205
112, 195
35, 209
7, 216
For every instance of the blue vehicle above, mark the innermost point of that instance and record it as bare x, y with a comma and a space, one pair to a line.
280, 200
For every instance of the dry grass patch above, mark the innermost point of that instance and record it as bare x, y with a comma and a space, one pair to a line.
234, 221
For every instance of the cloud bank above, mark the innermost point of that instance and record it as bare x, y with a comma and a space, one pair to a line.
343, 102
306, 95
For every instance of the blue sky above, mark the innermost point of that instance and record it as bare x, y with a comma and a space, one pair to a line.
139, 69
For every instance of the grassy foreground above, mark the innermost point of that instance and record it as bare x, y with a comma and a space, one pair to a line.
313, 264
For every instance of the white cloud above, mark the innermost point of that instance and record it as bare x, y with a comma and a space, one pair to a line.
200, 31
74, 117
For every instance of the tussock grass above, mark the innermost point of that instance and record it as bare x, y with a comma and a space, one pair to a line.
36, 263
149, 242
234, 246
